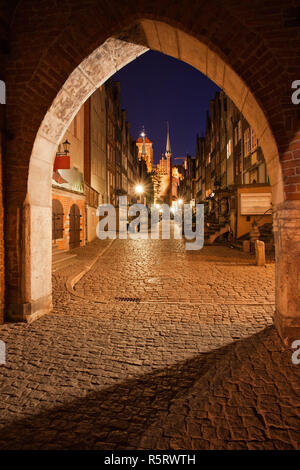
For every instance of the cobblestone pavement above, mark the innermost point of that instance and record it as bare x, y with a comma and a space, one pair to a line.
193, 363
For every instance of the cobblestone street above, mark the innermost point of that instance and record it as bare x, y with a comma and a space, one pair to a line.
157, 348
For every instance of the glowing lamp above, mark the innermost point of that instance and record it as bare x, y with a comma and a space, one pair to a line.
139, 189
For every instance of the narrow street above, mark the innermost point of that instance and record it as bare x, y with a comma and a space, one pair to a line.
150, 355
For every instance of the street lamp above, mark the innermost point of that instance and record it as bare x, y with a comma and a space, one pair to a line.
139, 189
62, 159
66, 145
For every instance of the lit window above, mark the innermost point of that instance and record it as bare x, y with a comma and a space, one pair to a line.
228, 148
247, 142
253, 140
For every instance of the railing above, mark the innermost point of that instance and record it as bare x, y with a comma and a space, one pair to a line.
262, 216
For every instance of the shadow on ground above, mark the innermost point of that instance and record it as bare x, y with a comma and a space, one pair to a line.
243, 395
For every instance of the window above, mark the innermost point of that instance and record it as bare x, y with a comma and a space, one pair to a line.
235, 136
253, 176
239, 135
253, 140
229, 148
247, 142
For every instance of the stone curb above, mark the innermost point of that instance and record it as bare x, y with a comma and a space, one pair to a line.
74, 279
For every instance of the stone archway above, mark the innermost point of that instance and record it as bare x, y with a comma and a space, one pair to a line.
105, 60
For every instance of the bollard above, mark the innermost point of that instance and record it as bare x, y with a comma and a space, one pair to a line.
260, 253
246, 246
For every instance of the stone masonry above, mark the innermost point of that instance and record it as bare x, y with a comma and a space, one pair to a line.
147, 355
52, 65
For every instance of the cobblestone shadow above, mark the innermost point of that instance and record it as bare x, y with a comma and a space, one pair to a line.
244, 395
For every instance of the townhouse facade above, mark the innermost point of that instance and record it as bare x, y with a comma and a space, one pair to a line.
230, 172
95, 163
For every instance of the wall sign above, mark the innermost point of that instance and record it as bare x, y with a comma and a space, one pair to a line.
255, 203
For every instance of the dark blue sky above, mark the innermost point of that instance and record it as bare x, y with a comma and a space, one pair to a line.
156, 88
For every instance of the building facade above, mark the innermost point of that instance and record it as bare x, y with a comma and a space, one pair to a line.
187, 187
230, 170
68, 199
95, 163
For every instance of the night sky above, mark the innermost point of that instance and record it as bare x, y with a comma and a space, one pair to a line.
156, 88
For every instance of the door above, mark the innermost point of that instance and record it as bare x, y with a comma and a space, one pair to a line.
57, 220
75, 226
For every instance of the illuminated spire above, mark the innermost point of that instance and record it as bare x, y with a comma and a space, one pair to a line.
168, 146
143, 135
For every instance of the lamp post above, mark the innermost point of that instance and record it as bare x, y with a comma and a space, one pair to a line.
66, 145
62, 159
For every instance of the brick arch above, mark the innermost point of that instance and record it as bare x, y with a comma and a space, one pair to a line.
209, 46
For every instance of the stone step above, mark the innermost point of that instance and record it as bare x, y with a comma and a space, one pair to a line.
62, 256
63, 262
62, 265
59, 253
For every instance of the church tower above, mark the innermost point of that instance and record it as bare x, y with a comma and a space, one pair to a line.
168, 155
145, 150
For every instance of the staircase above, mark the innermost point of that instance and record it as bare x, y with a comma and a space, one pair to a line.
214, 230
61, 258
